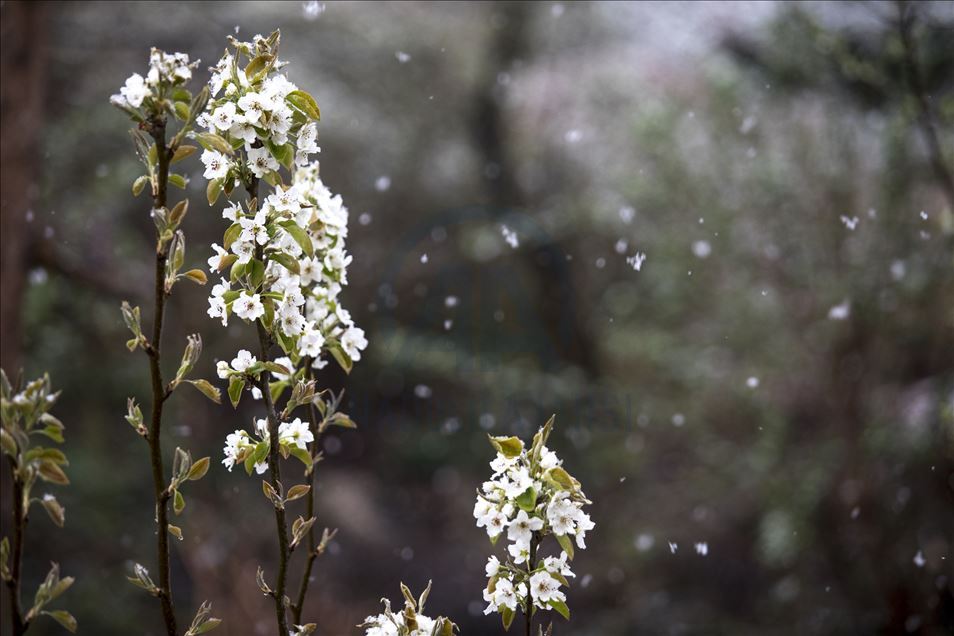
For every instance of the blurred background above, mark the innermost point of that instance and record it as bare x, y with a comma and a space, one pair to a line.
774, 382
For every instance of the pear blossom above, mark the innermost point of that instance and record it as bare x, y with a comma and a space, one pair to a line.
216, 164
261, 162
248, 306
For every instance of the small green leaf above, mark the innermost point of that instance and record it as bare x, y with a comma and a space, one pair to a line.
175, 531
178, 180
213, 190
51, 472
53, 508
288, 261
297, 492
561, 608
182, 110
301, 236
509, 447
182, 152
207, 390
343, 359
566, 544
528, 499
62, 617
178, 502
196, 275
506, 616
207, 626
231, 235
199, 469
305, 103
214, 142
139, 184
236, 384
257, 65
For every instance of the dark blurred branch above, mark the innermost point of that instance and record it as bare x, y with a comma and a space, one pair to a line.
19, 528
23, 67
907, 17
299, 604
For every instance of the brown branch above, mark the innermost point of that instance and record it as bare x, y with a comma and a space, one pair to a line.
161, 492
926, 119
299, 607
19, 529
531, 564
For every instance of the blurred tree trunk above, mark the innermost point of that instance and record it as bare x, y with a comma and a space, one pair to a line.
547, 261
23, 69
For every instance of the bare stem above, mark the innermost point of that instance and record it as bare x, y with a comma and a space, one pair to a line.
19, 529
159, 395
299, 605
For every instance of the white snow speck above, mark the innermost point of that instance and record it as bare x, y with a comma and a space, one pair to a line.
919, 559
450, 301
702, 548
840, 311
448, 324
626, 214
382, 183
898, 269
600, 263
364, 219
510, 237
850, 223
678, 419
673, 547
924, 215
423, 391
752, 382
621, 246
402, 57
424, 258
572, 136
644, 542
313, 9
556, 10
636, 261
701, 249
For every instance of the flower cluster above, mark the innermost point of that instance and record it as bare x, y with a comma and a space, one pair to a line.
261, 121
293, 439
167, 72
530, 496
410, 622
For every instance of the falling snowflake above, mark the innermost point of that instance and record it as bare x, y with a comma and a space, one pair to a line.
510, 236
423, 391
752, 382
313, 9
924, 215
851, 223
919, 559
424, 258
673, 547
402, 57
636, 261
626, 214
382, 183
621, 246
450, 301
840, 311
701, 249
702, 548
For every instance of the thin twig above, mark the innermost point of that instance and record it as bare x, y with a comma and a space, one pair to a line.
161, 492
299, 607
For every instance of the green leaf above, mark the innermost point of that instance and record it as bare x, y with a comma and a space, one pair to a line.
213, 190
199, 469
178, 180
175, 531
528, 499
509, 447
297, 492
54, 510
305, 103
182, 152
214, 142
196, 275
62, 617
342, 420
257, 274
207, 626
236, 384
506, 615
181, 110
566, 544
340, 356
561, 608
301, 236
559, 478
178, 502
8, 443
231, 235
49, 471
301, 455
288, 261
139, 184
207, 390
257, 65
